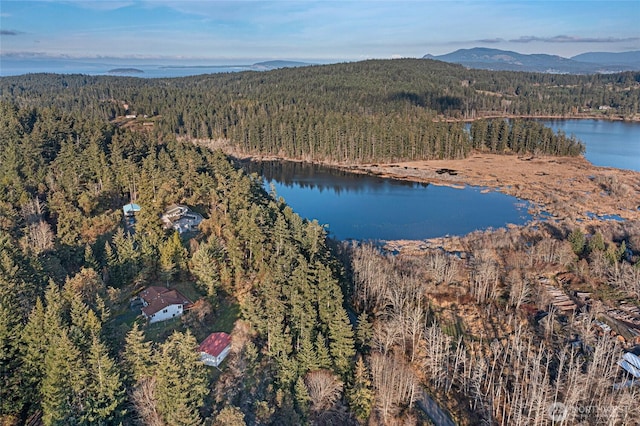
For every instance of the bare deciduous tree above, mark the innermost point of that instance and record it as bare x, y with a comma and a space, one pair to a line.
144, 402
39, 237
395, 384
485, 278
324, 389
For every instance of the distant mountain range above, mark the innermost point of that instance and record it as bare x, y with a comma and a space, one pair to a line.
504, 60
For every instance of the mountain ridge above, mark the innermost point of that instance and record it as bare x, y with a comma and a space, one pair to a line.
506, 60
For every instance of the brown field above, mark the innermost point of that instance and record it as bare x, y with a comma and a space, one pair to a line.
566, 187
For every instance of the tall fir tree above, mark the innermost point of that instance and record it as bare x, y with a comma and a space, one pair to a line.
341, 344
104, 393
34, 344
181, 380
63, 382
137, 356
12, 390
360, 394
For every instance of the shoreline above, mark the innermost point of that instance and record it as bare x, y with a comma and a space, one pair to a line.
566, 187
569, 189
586, 116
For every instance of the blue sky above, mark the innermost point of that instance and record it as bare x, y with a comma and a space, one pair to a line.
311, 30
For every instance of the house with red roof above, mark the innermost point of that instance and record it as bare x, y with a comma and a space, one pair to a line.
160, 303
215, 348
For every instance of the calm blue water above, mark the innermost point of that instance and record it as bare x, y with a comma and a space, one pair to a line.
11, 66
365, 207
608, 143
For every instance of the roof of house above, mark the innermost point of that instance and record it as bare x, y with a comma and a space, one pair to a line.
158, 298
215, 343
130, 208
175, 211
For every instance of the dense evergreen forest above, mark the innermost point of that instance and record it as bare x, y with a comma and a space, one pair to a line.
70, 354
353, 112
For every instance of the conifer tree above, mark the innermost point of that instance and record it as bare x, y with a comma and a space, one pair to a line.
324, 360
306, 356
11, 389
19, 280
341, 341
577, 240
112, 266
127, 255
205, 266
104, 394
173, 257
137, 356
181, 380
84, 323
35, 342
53, 313
302, 398
90, 259
63, 381
596, 242
361, 394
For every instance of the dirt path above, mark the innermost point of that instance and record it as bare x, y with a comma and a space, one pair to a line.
431, 408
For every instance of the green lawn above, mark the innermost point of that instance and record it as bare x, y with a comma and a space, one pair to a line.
159, 331
188, 289
222, 318
226, 316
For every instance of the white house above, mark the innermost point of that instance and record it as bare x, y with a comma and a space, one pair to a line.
215, 348
160, 303
181, 218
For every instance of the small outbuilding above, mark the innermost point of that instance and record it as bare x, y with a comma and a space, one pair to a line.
130, 211
215, 348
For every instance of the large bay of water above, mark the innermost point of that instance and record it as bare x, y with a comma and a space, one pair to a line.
355, 206
608, 143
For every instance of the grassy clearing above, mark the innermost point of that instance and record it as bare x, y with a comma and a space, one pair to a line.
188, 289
159, 331
228, 313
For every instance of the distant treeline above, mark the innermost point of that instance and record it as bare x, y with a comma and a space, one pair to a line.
366, 111
522, 136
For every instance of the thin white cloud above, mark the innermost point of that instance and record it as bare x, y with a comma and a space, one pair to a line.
491, 40
96, 4
573, 39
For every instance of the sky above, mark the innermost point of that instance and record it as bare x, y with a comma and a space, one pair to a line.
310, 30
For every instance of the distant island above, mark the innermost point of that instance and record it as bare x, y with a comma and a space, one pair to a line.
259, 66
280, 64
125, 71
